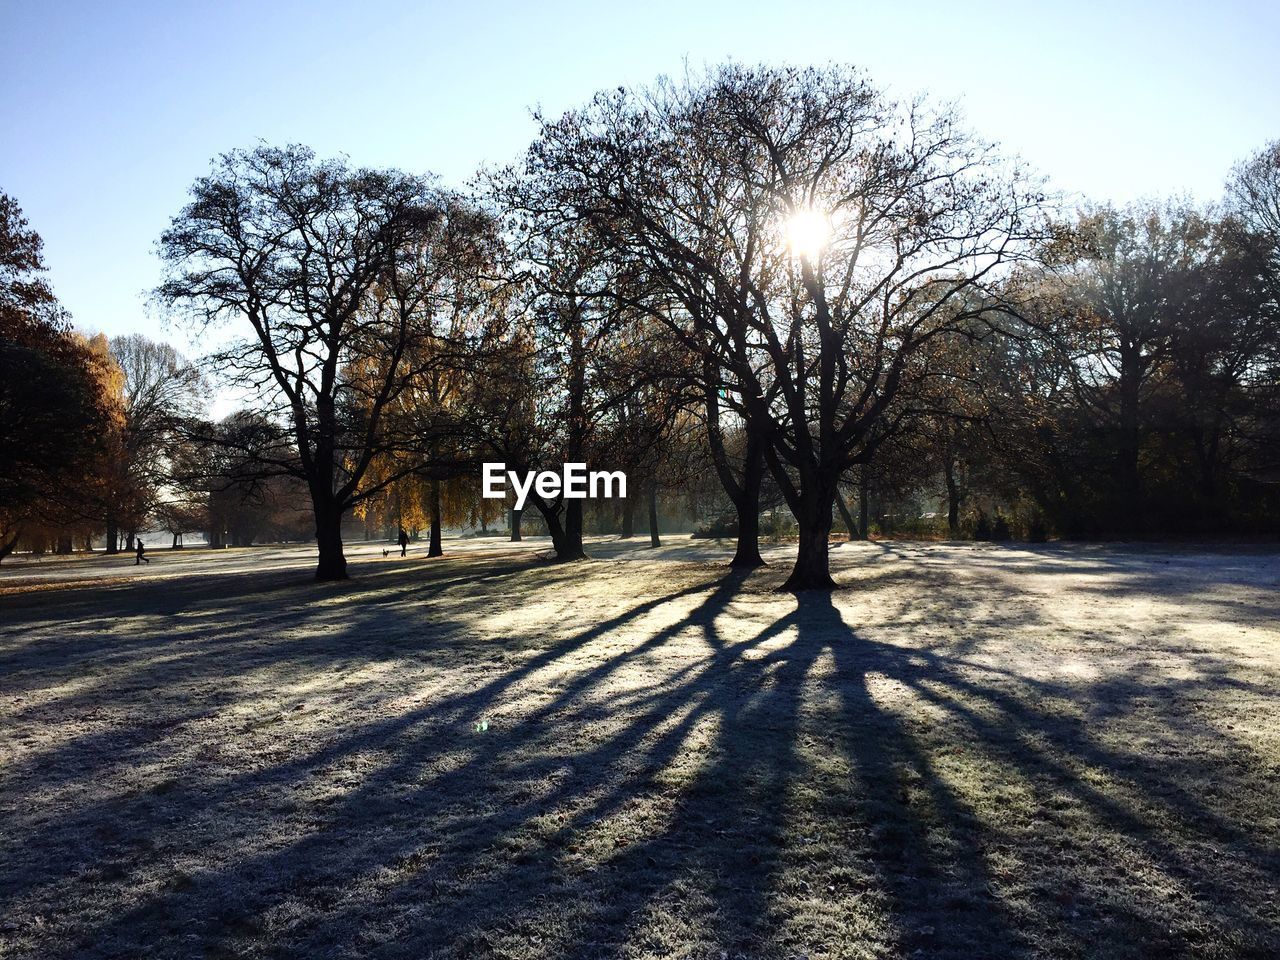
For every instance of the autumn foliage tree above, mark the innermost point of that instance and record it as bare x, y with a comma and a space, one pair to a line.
57, 409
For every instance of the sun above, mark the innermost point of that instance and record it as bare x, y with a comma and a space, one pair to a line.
807, 232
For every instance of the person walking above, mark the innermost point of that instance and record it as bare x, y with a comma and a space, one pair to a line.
139, 558
404, 542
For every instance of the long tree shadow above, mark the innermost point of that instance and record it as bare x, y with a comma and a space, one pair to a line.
691, 774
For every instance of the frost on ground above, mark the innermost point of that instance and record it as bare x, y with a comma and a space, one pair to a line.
967, 751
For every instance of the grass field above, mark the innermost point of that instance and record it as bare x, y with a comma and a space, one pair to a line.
967, 751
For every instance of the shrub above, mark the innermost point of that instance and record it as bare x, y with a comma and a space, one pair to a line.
718, 528
982, 531
921, 528
1036, 530
779, 524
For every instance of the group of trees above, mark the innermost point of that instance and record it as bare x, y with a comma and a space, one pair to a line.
775, 283
1154, 347
96, 435
58, 408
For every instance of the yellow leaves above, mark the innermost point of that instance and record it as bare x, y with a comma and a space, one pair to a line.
107, 375
413, 513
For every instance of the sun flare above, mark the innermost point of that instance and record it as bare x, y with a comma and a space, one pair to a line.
807, 232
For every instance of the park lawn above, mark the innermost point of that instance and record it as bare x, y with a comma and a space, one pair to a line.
967, 751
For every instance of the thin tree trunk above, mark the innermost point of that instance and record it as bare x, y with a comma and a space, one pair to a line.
953, 498
864, 505
654, 540
113, 537
628, 519
744, 495
1128, 474
747, 554
515, 525
846, 516
569, 546
434, 549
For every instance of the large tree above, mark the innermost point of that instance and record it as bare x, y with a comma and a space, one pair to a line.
331, 268
807, 237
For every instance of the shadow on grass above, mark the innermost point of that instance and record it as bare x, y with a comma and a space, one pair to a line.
704, 769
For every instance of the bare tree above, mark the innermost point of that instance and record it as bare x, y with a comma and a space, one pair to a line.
559, 339
330, 268
159, 391
807, 236
1253, 198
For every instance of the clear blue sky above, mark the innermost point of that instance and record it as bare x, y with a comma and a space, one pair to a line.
110, 109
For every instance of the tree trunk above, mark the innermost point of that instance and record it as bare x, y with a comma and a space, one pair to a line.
745, 495
1129, 443
113, 536
569, 543
864, 505
515, 525
628, 518
847, 517
812, 570
64, 545
953, 498
7, 544
747, 554
332, 564
573, 549
566, 543
654, 540
555, 528
434, 549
